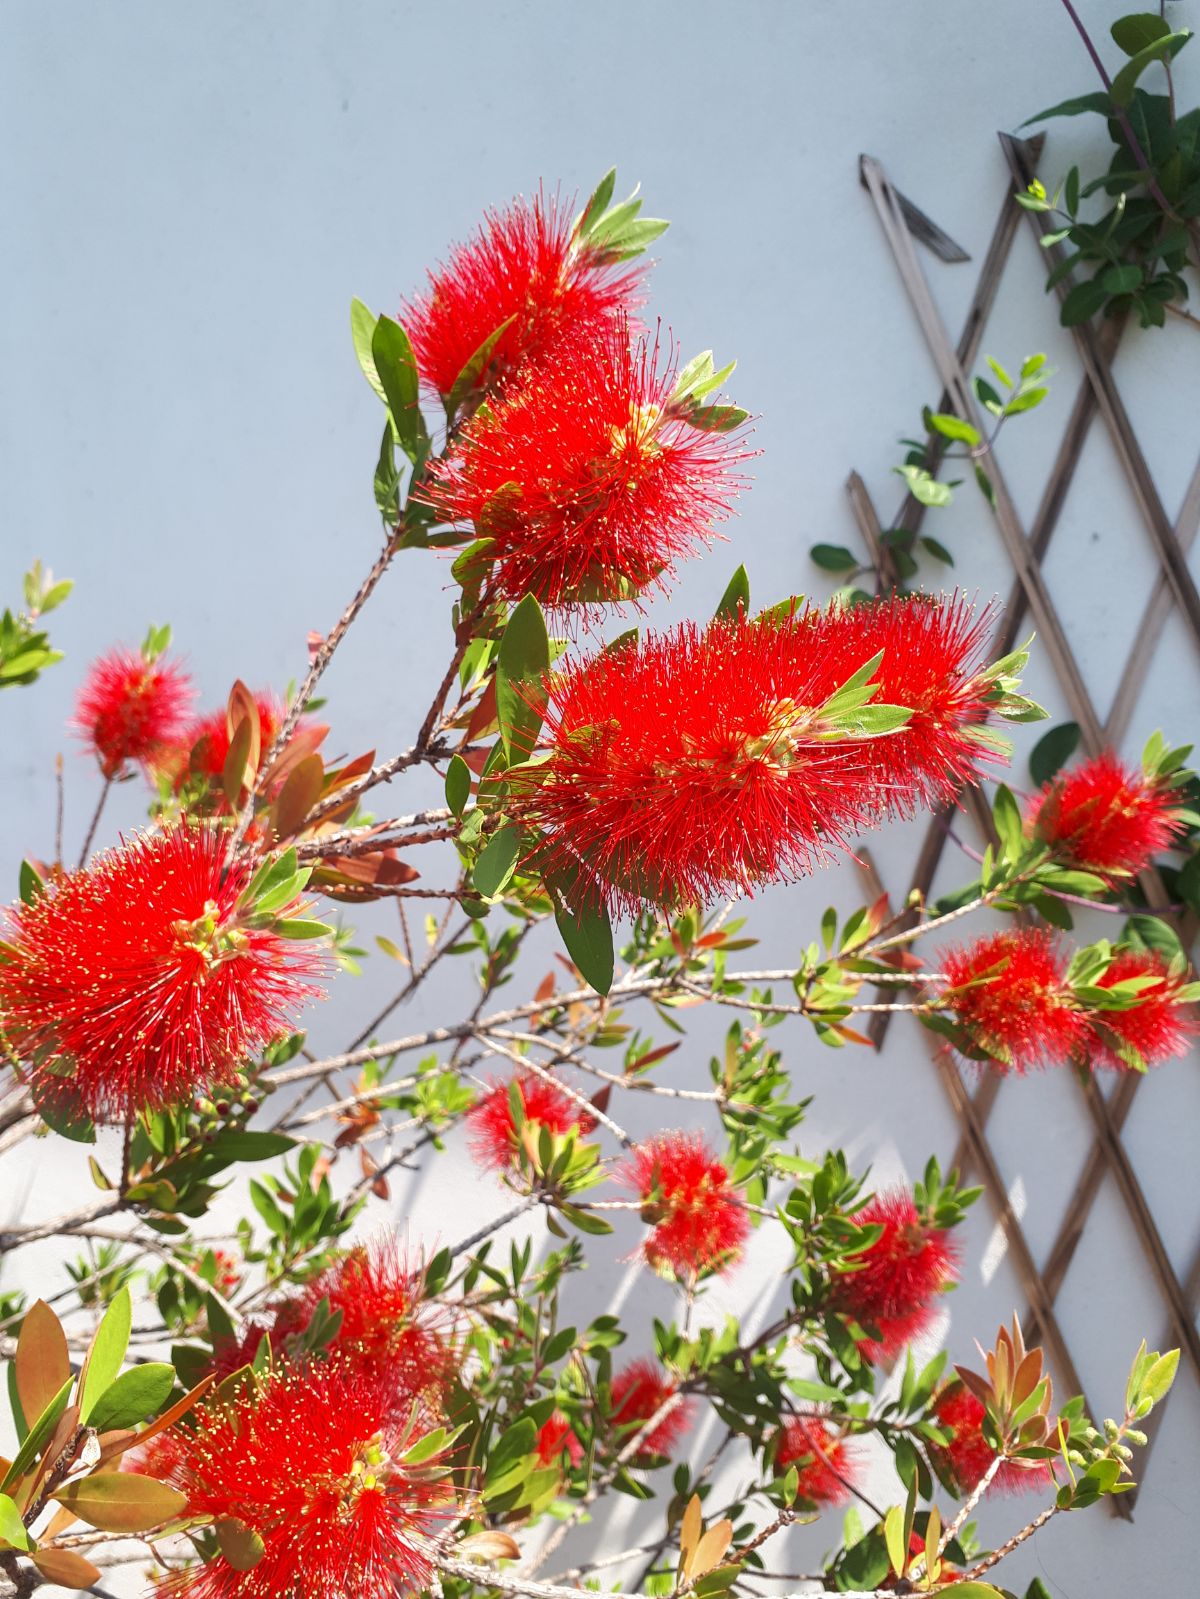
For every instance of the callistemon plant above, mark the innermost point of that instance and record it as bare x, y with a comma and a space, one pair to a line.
312, 1401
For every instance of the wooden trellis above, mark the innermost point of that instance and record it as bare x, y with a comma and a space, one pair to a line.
1026, 548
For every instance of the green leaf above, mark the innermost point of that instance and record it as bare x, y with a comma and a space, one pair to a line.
265, 1204
1084, 300
1097, 101
30, 884
1155, 1384
953, 427
134, 1397
833, 557
598, 202
1026, 400
1007, 818
522, 658
56, 594
1162, 49
716, 418
893, 1533
1052, 751
37, 1436
1149, 932
1121, 280
458, 784
937, 550
585, 1220
469, 379
241, 1545
497, 861
970, 1590
300, 928
585, 927
735, 601
1136, 32
12, 1528
397, 368
923, 487
122, 1501
362, 330
107, 1353
241, 1144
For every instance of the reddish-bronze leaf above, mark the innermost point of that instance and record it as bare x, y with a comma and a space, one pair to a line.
241, 707
66, 1568
298, 795
485, 715
43, 1362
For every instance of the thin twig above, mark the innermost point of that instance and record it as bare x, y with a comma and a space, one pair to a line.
94, 823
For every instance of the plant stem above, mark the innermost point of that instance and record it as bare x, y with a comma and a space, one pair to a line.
95, 823
315, 672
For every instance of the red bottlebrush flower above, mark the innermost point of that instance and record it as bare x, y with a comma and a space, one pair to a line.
138, 981
1161, 1023
526, 267
1009, 994
555, 1438
1104, 817
964, 1460
387, 1324
589, 482
932, 663
697, 763
494, 1138
697, 1221
131, 709
638, 1393
205, 745
229, 1270
895, 1286
311, 1460
824, 1462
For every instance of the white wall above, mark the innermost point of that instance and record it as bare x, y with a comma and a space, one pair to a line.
193, 195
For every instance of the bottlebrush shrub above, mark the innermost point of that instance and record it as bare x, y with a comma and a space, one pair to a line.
318, 1407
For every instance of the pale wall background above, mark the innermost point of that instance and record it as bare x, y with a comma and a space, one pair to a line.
193, 195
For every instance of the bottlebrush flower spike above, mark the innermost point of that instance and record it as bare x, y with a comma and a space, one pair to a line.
528, 277
1009, 995
1157, 1018
897, 1280
966, 1458
496, 1140
593, 473
153, 973
825, 1465
698, 763
305, 1469
1105, 817
638, 1393
131, 708
386, 1322
555, 1438
697, 1221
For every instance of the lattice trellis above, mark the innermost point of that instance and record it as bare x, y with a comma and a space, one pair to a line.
1026, 549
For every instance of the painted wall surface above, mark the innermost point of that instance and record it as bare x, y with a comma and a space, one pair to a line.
193, 195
